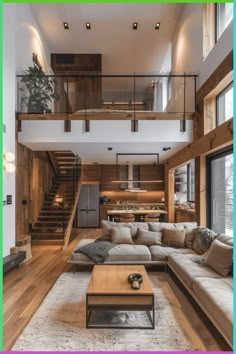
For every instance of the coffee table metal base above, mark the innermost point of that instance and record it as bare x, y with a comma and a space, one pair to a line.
119, 303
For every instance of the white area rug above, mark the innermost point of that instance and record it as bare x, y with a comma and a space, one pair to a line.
59, 323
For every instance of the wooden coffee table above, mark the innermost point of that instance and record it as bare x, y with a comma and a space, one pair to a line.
109, 290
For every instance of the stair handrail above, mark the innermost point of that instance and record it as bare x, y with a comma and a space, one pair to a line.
76, 192
72, 216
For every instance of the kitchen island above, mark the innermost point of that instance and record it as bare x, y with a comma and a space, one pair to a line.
139, 212
127, 207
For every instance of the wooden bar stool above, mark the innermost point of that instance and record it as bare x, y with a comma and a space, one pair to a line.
127, 217
152, 217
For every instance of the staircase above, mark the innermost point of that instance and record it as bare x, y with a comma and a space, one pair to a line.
59, 204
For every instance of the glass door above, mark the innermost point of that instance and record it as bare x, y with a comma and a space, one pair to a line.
220, 192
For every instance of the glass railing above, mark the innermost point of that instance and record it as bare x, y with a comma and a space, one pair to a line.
80, 95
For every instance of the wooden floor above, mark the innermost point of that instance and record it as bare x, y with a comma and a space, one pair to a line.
26, 287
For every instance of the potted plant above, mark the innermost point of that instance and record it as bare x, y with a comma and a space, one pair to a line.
41, 89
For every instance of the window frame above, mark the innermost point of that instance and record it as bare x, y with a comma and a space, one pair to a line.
218, 154
189, 200
217, 36
224, 91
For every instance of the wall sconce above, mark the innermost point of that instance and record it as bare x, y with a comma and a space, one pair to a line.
9, 166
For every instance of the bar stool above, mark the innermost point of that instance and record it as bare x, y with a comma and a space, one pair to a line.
127, 217
152, 217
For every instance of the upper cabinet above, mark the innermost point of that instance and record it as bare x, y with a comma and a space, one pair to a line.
152, 173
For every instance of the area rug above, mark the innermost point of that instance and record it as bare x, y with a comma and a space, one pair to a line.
59, 323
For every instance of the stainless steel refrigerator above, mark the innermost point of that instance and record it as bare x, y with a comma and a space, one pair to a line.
88, 206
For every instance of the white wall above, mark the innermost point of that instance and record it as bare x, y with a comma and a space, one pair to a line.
21, 37
187, 45
29, 40
9, 12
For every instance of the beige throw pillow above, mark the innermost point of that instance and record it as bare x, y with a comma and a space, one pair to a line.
148, 238
189, 238
173, 238
220, 258
121, 235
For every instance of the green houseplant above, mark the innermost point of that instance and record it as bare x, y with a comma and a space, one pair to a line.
41, 90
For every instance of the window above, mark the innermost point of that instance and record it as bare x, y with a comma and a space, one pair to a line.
191, 181
224, 15
224, 105
219, 192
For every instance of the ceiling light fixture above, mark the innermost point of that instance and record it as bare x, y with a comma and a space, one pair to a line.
135, 25
88, 25
66, 26
166, 148
157, 26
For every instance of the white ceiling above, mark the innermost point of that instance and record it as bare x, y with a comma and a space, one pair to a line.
98, 152
123, 49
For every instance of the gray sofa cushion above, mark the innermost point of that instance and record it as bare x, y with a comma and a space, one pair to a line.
190, 267
148, 238
129, 253
160, 253
189, 238
158, 226
216, 296
108, 225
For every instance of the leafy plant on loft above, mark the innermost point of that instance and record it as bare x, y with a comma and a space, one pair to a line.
41, 90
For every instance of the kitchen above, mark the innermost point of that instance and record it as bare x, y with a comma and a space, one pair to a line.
111, 197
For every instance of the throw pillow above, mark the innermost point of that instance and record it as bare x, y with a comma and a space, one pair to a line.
159, 226
173, 238
189, 238
108, 225
203, 239
220, 258
148, 238
121, 235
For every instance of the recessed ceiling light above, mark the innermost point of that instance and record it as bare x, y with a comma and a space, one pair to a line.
157, 26
135, 25
66, 26
88, 25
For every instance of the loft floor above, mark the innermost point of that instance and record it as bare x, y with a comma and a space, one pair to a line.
26, 287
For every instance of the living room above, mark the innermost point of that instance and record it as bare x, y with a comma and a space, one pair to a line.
155, 166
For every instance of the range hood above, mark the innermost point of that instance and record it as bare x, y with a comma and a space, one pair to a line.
131, 182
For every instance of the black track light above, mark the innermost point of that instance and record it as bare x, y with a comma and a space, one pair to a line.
157, 26
66, 26
88, 25
135, 25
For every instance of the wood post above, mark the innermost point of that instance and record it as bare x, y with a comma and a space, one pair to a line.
169, 194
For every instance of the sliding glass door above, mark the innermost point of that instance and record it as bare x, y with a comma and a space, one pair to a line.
220, 192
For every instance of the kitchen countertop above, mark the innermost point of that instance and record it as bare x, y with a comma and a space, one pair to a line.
139, 211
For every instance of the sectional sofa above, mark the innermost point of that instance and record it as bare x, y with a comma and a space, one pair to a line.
200, 258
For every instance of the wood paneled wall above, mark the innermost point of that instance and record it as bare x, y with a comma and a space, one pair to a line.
34, 176
204, 143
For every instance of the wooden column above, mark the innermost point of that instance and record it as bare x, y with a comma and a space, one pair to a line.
169, 194
200, 190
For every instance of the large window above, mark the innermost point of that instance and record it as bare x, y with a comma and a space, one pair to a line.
220, 192
224, 15
224, 105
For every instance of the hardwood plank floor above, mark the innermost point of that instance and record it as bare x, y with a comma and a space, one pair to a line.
26, 287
